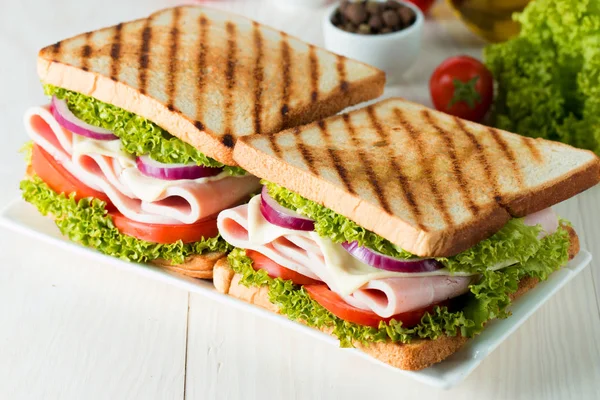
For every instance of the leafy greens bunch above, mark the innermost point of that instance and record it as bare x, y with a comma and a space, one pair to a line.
549, 75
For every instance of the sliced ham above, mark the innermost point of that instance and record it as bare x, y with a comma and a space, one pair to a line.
546, 218
137, 197
391, 296
318, 258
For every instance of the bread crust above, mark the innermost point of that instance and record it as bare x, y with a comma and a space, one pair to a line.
406, 187
195, 266
417, 355
129, 72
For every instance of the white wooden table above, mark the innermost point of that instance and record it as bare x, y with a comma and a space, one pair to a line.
72, 329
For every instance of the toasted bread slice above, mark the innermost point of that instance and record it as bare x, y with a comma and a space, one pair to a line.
430, 183
195, 266
418, 354
209, 77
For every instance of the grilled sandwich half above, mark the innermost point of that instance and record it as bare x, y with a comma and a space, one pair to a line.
144, 117
400, 229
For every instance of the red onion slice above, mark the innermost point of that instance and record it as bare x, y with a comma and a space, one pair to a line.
69, 121
172, 172
278, 215
381, 261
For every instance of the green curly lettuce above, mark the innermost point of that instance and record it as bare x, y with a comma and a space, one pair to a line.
549, 75
27, 150
138, 135
488, 298
87, 222
515, 242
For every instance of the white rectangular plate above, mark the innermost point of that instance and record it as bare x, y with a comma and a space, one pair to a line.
23, 217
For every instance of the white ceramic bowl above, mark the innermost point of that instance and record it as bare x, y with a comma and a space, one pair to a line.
393, 52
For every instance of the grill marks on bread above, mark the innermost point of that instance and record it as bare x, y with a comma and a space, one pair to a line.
203, 39
341, 69
286, 87
366, 164
336, 160
306, 153
258, 76
86, 51
396, 169
223, 76
489, 173
227, 139
456, 162
533, 150
115, 52
509, 154
314, 73
432, 184
172, 72
425, 163
144, 59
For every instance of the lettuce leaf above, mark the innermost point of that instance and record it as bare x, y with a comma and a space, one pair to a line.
332, 225
87, 222
547, 76
138, 135
488, 298
27, 150
515, 242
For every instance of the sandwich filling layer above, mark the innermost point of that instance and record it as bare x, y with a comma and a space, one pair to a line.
138, 135
471, 288
104, 199
87, 221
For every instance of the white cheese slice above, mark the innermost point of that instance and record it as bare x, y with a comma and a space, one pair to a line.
143, 187
342, 272
261, 231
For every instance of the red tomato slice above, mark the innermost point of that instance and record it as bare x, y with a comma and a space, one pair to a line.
61, 181
58, 178
158, 233
333, 303
275, 270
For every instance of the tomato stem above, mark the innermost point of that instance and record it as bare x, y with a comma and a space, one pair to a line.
465, 91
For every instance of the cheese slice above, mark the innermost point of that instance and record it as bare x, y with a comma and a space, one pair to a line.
143, 187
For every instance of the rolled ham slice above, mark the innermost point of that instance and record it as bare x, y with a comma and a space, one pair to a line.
301, 251
391, 296
546, 218
175, 202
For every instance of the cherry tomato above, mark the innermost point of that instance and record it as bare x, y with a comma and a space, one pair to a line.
462, 86
333, 303
424, 5
61, 181
275, 270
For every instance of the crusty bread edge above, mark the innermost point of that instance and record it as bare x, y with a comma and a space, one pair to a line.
396, 230
199, 266
121, 95
443, 243
557, 190
413, 356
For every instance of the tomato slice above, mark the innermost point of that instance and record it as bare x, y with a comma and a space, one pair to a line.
159, 233
59, 179
333, 303
275, 270
62, 181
